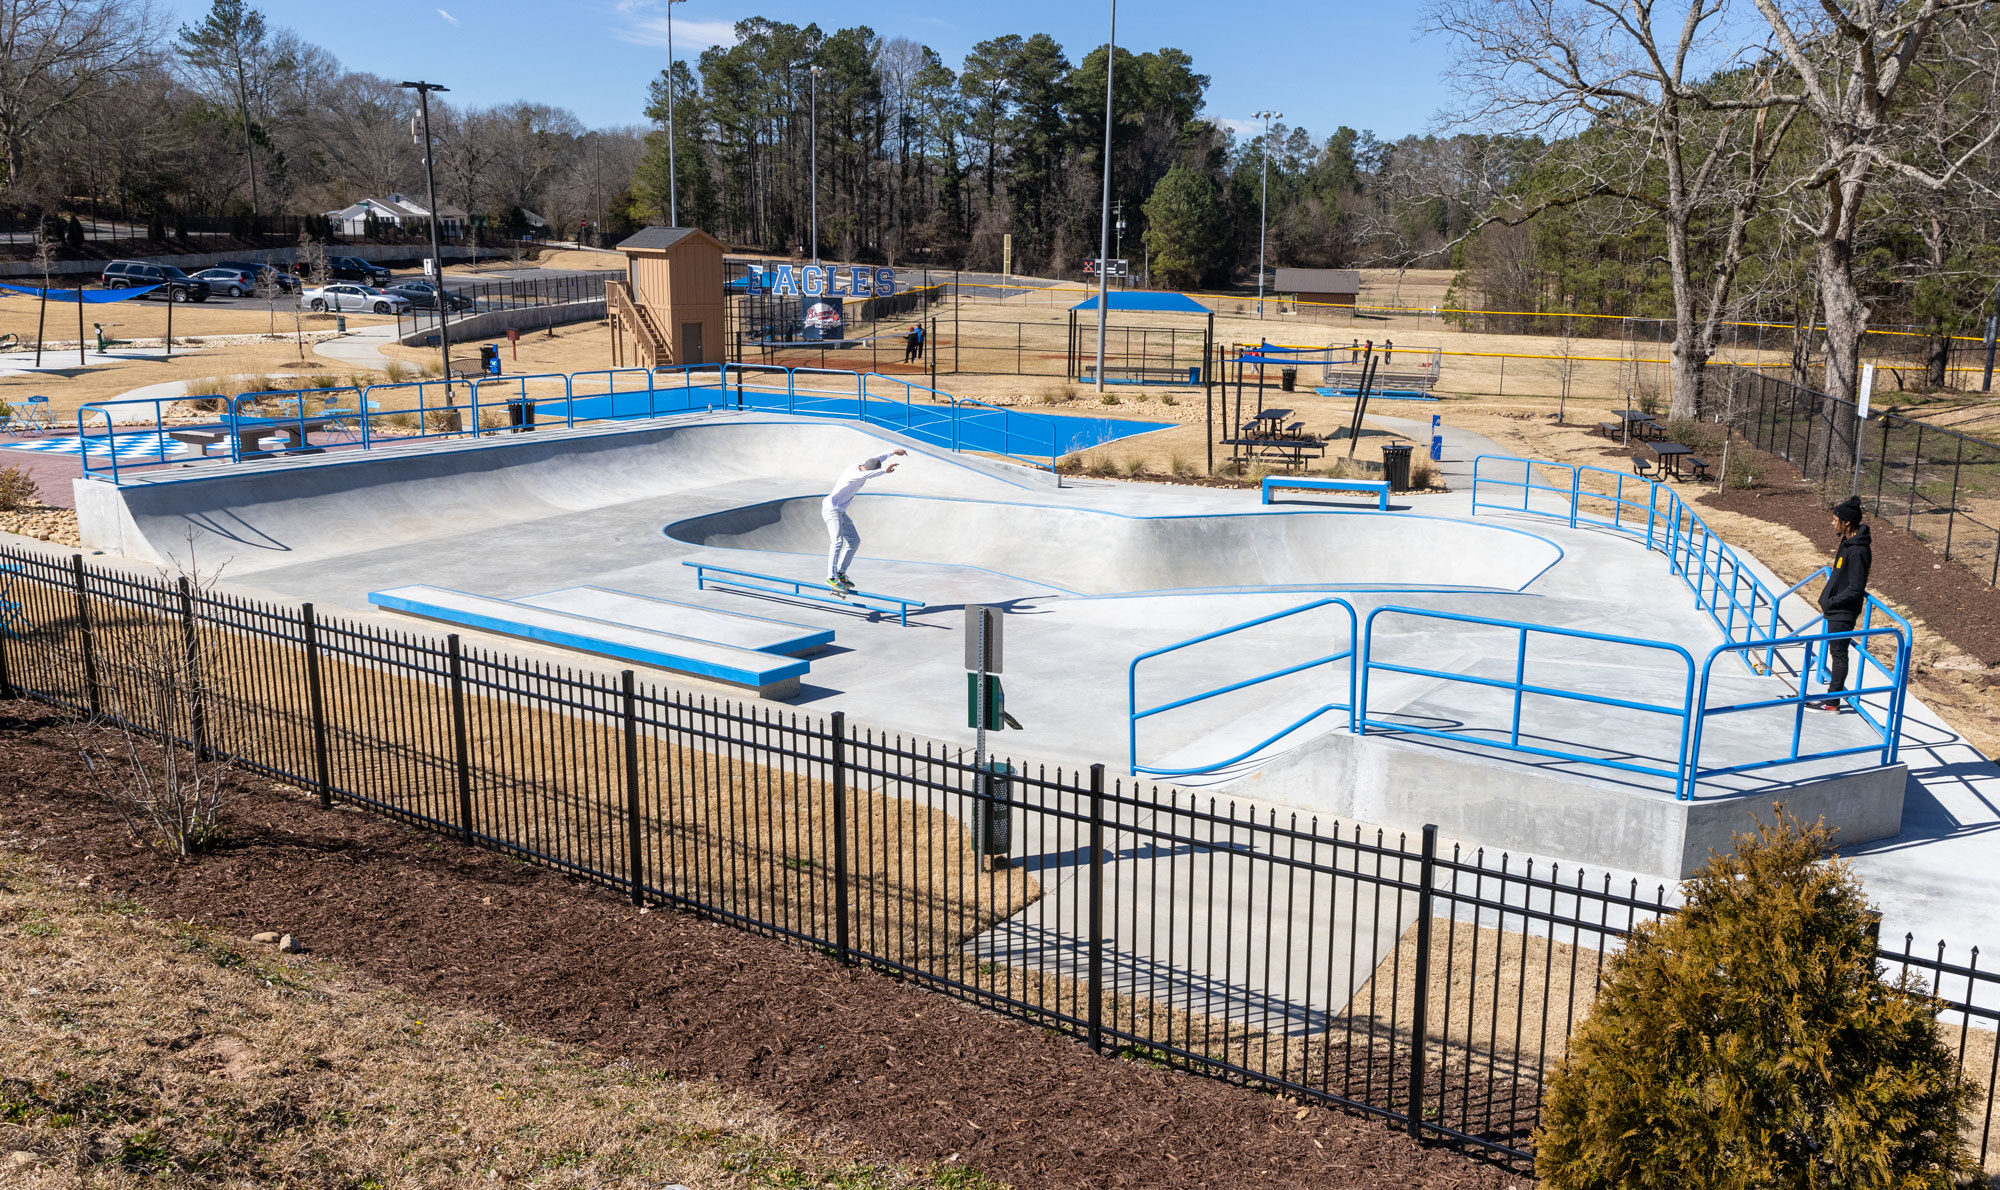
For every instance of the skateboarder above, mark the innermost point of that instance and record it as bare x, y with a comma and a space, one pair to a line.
842, 537
1844, 595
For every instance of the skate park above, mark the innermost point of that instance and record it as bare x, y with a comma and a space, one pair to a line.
1540, 659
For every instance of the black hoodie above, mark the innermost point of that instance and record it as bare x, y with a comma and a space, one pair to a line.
1847, 589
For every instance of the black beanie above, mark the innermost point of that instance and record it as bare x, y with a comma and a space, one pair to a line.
1849, 510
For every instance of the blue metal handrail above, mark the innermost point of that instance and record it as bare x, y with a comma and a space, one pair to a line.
1520, 687
1134, 714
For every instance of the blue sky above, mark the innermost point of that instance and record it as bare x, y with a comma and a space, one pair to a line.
1321, 63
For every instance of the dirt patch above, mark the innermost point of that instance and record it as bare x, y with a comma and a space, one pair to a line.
914, 1076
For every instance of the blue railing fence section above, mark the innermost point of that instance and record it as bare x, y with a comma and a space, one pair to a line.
1519, 687
417, 410
1134, 714
1794, 701
1740, 603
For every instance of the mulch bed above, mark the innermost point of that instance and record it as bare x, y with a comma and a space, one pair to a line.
914, 1075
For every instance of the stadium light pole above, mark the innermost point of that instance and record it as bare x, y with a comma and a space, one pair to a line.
423, 91
1264, 203
1104, 230
673, 183
817, 71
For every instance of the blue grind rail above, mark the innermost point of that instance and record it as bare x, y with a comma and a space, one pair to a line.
1133, 713
791, 588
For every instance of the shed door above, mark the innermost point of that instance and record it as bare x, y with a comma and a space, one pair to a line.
691, 353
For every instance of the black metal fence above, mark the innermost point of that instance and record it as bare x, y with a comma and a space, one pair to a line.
1942, 485
481, 297
1348, 967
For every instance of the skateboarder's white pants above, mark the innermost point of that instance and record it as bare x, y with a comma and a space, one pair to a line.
842, 540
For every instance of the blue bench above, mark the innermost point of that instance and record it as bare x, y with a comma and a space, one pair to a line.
770, 675
706, 576
1380, 487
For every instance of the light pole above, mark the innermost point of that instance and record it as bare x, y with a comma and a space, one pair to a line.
423, 91
1264, 203
1104, 228
673, 184
817, 71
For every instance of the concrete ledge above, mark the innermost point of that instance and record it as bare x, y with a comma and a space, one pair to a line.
1526, 808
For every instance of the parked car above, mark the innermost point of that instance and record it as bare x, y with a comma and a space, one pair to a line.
345, 296
285, 281
353, 268
131, 274
229, 282
423, 295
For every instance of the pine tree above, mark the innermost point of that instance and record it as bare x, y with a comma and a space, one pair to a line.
1183, 227
1749, 1041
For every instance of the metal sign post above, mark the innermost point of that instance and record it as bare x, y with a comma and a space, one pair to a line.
984, 704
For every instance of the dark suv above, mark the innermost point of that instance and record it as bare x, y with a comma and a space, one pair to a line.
353, 268
131, 274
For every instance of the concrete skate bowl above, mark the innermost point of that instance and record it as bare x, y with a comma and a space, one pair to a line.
1087, 552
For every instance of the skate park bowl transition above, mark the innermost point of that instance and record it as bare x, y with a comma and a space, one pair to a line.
1087, 551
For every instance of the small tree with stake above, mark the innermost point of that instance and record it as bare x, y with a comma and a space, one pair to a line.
1749, 1041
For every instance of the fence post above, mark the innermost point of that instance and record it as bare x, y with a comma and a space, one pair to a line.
322, 773
90, 682
191, 660
1420, 1010
460, 748
1096, 990
632, 855
837, 758
7, 690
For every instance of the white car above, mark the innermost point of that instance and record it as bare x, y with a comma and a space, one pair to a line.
348, 296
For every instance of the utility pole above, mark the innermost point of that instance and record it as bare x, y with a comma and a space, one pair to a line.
673, 185
1264, 203
423, 91
1104, 229
817, 71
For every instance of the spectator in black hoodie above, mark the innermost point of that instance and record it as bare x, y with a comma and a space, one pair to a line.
1845, 592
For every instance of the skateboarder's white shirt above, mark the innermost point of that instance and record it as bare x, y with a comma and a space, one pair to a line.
849, 483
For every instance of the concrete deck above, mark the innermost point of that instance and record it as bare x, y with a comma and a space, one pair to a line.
1094, 573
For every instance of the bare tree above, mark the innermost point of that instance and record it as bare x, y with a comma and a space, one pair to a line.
1652, 113
1851, 59
55, 55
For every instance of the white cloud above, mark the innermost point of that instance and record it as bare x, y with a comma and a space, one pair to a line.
1239, 127
449, 19
690, 36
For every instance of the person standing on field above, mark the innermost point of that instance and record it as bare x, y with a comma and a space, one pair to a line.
1843, 597
843, 539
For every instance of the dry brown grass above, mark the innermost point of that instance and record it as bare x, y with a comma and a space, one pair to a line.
147, 319
69, 389
147, 1053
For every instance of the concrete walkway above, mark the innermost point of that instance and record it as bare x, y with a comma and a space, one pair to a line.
361, 348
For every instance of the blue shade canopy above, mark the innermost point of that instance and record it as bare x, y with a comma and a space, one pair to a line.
1158, 303
89, 297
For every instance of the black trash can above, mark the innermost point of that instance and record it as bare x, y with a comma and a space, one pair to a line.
993, 815
1396, 466
1288, 379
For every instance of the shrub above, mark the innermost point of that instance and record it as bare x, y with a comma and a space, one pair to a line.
1102, 465
17, 489
1743, 472
1180, 465
1649, 397
1057, 392
1695, 434
1136, 468
1110, 399
1422, 474
1750, 1041
1170, 400
397, 371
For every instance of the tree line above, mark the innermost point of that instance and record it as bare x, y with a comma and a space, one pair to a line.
107, 107
1829, 164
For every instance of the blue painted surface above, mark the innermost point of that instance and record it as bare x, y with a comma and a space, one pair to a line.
1378, 487
661, 658
1009, 431
1148, 300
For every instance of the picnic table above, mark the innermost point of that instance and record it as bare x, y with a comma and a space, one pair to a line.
249, 430
1640, 423
1669, 454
